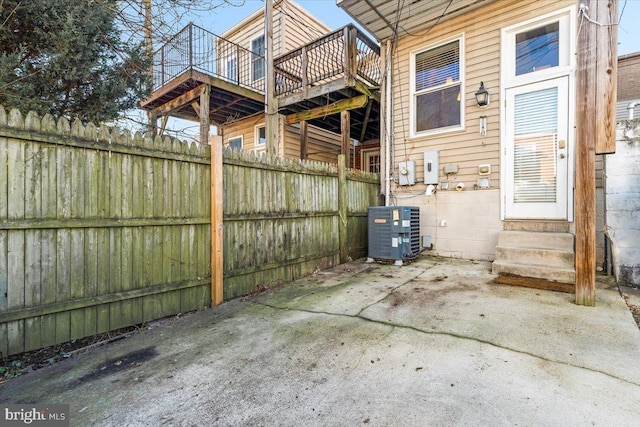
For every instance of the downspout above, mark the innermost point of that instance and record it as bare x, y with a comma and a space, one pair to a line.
387, 123
630, 108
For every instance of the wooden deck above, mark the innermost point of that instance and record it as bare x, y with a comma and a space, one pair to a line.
332, 74
227, 101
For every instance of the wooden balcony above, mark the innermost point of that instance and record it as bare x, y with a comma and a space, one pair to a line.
196, 58
337, 72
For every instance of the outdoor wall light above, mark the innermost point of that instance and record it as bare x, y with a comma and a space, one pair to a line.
482, 96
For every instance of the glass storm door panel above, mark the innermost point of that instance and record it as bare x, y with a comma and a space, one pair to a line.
537, 150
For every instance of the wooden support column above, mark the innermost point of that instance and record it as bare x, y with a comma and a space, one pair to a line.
345, 129
595, 64
365, 121
217, 189
304, 137
271, 125
205, 121
153, 122
342, 208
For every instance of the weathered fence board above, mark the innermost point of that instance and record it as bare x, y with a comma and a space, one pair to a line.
281, 219
101, 230
94, 228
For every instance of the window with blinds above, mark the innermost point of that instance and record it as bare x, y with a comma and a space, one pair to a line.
437, 88
535, 139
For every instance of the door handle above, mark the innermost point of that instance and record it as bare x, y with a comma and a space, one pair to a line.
562, 155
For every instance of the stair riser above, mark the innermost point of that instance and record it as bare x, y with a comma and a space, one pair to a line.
537, 256
537, 271
558, 241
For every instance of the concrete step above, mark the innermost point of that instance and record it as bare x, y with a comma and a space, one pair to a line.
559, 274
536, 256
536, 239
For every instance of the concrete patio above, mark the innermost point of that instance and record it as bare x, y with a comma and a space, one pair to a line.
431, 343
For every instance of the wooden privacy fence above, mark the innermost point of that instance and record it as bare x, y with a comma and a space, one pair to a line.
283, 218
100, 230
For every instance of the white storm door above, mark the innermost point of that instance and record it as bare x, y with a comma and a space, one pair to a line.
536, 150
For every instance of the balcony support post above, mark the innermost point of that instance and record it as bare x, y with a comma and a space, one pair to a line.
345, 126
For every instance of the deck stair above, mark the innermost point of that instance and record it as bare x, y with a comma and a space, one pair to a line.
537, 254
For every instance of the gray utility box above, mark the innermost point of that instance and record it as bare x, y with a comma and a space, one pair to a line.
394, 232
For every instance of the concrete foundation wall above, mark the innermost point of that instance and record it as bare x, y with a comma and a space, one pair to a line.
622, 189
461, 224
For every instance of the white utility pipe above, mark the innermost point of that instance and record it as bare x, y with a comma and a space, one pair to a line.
630, 108
388, 127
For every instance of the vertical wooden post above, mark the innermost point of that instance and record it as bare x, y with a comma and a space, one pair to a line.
342, 207
593, 74
345, 129
205, 121
304, 136
217, 188
271, 126
607, 76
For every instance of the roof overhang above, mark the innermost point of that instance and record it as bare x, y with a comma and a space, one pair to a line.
378, 17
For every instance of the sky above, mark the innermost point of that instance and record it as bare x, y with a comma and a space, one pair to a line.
326, 10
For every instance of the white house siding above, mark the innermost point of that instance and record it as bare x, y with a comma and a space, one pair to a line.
622, 188
291, 28
472, 217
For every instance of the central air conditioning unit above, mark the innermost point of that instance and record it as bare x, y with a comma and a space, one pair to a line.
394, 233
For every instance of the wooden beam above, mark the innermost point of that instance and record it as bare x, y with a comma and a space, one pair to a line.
327, 110
304, 137
181, 101
196, 108
593, 60
345, 130
217, 217
165, 119
205, 121
365, 121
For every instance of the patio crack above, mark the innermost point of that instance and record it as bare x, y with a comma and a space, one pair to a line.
393, 326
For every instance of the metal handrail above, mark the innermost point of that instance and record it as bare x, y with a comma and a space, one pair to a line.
194, 48
327, 59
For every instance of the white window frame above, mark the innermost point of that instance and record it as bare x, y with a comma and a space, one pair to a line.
364, 155
227, 68
252, 60
240, 137
566, 61
413, 95
259, 145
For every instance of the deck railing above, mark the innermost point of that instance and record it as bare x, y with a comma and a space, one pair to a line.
345, 53
195, 48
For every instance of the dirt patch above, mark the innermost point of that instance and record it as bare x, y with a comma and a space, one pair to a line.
635, 311
24, 363
128, 361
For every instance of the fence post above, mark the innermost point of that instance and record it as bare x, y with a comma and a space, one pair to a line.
217, 188
342, 207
